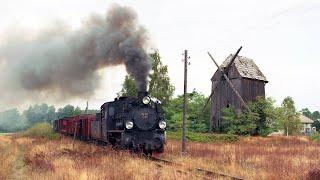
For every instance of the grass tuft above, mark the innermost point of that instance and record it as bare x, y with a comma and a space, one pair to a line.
43, 130
315, 136
204, 137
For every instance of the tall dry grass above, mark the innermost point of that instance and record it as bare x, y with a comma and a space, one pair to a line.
11, 158
250, 158
255, 157
6, 157
60, 159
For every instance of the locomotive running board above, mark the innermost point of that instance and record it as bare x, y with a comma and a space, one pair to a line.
115, 131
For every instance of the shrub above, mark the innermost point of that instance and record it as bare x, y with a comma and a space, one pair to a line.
314, 174
240, 124
204, 137
315, 136
43, 130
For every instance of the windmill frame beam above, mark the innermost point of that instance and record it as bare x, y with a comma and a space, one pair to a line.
229, 82
224, 71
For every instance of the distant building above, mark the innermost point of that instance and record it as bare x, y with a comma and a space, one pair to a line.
245, 76
306, 124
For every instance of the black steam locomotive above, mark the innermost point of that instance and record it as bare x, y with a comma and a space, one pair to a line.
134, 123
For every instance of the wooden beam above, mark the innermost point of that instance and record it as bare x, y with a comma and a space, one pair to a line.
232, 60
207, 102
225, 71
230, 83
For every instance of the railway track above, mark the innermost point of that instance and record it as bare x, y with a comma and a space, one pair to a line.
203, 173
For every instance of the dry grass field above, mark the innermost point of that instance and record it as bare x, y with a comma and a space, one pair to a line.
249, 158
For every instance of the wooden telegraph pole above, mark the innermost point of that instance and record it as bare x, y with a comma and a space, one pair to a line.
87, 107
185, 103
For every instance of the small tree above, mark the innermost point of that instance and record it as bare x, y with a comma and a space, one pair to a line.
51, 114
160, 85
68, 111
12, 121
230, 120
316, 118
173, 113
197, 121
306, 112
128, 87
40, 113
77, 111
241, 124
288, 117
266, 122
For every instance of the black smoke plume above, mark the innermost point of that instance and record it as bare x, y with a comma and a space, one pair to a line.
61, 62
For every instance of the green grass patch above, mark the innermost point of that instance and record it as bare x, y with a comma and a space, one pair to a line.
315, 136
204, 137
43, 130
5, 134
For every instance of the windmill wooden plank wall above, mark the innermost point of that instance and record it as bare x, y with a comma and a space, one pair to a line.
245, 77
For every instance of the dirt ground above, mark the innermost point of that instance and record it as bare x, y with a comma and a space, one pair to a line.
250, 158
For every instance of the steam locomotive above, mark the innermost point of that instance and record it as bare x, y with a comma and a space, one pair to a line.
134, 123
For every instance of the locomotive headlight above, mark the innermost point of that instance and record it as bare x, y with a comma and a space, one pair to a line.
162, 124
129, 124
146, 100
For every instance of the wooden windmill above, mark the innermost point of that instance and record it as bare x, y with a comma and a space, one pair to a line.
237, 81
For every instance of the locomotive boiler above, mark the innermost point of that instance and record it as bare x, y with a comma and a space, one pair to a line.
134, 123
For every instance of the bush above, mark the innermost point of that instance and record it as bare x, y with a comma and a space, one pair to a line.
204, 137
198, 119
240, 124
315, 136
43, 130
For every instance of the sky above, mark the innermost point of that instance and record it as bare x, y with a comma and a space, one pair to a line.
280, 36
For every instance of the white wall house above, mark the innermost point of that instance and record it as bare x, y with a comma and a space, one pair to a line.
306, 124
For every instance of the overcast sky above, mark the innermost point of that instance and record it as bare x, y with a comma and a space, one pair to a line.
281, 36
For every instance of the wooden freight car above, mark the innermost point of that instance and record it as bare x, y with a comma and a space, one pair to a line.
78, 126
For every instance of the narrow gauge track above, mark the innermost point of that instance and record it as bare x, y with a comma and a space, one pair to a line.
207, 174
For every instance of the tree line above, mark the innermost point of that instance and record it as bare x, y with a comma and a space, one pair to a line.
12, 120
263, 118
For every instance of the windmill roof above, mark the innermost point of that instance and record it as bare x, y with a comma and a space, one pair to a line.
305, 120
246, 68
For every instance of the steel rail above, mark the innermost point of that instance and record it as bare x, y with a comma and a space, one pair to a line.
207, 173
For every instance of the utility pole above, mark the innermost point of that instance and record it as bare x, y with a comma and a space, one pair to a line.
185, 103
87, 107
